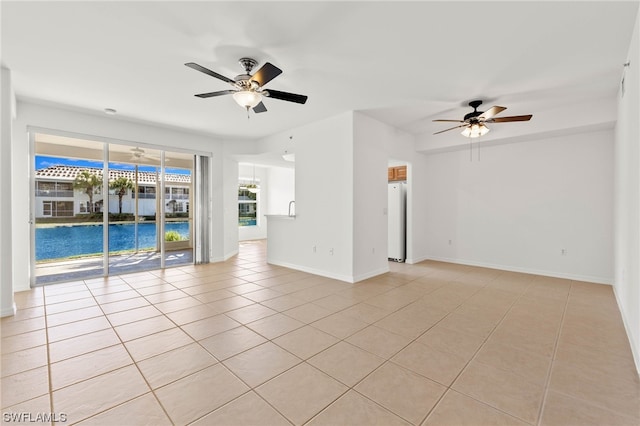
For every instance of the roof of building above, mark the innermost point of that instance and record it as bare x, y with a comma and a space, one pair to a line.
70, 172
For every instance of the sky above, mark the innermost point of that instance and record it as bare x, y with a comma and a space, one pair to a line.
43, 162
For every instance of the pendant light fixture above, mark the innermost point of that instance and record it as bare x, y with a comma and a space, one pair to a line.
289, 156
254, 188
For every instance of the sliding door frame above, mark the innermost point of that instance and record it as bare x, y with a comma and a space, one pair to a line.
200, 187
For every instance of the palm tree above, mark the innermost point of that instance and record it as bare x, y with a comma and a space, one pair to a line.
121, 185
88, 183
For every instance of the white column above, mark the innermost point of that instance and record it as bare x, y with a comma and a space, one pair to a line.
7, 109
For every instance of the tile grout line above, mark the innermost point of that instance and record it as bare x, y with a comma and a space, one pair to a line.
389, 359
132, 360
218, 361
473, 356
303, 361
306, 361
46, 327
251, 389
553, 356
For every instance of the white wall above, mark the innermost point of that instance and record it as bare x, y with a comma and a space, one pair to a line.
522, 204
627, 198
229, 211
281, 190
375, 143
7, 110
370, 219
110, 129
341, 197
324, 202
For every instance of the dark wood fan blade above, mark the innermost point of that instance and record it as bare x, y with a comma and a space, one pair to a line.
259, 108
446, 130
266, 73
491, 112
286, 96
209, 72
451, 121
508, 119
212, 94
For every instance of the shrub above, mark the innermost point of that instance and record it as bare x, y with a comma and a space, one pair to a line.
173, 236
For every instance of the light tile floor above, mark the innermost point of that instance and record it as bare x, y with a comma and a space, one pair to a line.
244, 342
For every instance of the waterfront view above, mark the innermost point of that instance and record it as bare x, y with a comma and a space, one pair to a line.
70, 241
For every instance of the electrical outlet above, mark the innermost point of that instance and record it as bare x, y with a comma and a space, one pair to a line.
563, 252
331, 251
449, 242
314, 249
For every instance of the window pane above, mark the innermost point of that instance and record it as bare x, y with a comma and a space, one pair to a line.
247, 214
247, 203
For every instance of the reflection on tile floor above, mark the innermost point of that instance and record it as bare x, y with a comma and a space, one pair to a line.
88, 267
247, 343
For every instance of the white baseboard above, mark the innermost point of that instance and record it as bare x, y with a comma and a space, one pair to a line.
555, 274
310, 270
224, 258
635, 349
340, 277
371, 274
8, 311
412, 261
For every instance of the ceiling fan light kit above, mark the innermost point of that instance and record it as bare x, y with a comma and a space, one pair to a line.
475, 131
248, 89
247, 98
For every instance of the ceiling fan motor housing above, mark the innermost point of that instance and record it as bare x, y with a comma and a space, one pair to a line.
248, 64
475, 113
244, 81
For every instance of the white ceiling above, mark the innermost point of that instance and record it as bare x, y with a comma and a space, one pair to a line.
404, 63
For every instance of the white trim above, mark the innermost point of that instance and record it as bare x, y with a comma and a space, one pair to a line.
371, 274
574, 277
103, 139
7, 312
106, 257
313, 271
628, 330
32, 208
412, 261
161, 209
225, 257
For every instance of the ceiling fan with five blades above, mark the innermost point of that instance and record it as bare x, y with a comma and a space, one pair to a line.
248, 89
139, 155
474, 122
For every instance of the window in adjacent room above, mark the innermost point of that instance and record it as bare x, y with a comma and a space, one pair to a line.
247, 203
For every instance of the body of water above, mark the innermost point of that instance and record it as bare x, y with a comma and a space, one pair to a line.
60, 242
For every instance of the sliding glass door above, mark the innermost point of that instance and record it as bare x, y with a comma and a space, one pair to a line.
177, 182
133, 205
107, 209
66, 209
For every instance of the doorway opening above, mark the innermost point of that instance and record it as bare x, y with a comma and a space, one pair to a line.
397, 211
